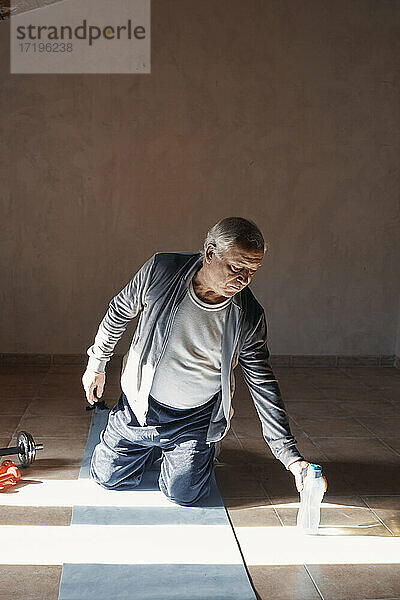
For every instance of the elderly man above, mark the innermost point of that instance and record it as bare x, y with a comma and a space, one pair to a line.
198, 319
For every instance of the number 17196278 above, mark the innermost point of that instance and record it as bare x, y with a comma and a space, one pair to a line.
46, 47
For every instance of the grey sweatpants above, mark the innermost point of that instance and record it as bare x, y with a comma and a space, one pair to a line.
127, 449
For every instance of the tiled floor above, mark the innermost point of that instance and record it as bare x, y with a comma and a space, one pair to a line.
346, 419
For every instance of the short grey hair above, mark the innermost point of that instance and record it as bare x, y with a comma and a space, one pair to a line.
234, 231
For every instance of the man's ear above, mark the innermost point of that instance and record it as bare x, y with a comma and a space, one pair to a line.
209, 252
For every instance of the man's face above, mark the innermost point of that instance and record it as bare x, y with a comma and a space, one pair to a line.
231, 272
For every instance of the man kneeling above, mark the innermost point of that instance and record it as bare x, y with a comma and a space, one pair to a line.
198, 320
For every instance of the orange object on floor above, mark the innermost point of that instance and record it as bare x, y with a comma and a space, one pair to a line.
9, 474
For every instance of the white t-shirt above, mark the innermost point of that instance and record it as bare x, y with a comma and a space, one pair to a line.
189, 372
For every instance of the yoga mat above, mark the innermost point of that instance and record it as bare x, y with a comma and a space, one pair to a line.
141, 546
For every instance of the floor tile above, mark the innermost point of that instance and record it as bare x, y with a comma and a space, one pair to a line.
55, 376
357, 582
68, 361
60, 406
13, 406
286, 582
310, 451
374, 373
238, 482
244, 408
393, 396
301, 393
24, 360
387, 508
333, 427
8, 424
60, 390
377, 407
331, 381
20, 371
296, 430
255, 513
56, 468
4, 442
29, 582
346, 393
232, 452
35, 515
313, 408
18, 390
289, 375
354, 450
368, 479
55, 426
18, 385
278, 481
247, 427
385, 385
382, 426
257, 451
295, 381
393, 442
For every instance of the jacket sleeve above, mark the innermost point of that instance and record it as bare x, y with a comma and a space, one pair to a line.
266, 395
122, 308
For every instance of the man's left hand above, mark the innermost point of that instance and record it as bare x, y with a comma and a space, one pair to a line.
296, 468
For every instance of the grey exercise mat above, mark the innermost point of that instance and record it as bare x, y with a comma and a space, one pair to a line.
156, 531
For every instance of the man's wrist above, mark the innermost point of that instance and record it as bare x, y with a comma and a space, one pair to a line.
292, 461
96, 365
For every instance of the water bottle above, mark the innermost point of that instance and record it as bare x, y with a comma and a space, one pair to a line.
311, 496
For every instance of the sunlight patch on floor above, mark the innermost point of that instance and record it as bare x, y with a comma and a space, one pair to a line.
288, 546
78, 492
118, 544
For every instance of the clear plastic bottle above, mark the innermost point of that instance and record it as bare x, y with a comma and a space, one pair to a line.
311, 497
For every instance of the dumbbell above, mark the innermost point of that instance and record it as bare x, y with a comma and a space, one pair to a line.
26, 449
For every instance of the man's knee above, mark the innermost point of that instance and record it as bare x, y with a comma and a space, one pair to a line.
106, 484
102, 471
113, 478
184, 495
112, 471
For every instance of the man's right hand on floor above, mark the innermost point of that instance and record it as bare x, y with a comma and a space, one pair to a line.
92, 380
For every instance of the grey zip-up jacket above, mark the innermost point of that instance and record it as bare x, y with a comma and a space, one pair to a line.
155, 293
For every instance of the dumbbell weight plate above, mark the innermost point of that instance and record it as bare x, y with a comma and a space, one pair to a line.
27, 448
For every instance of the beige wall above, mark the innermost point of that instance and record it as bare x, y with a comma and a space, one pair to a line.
282, 111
